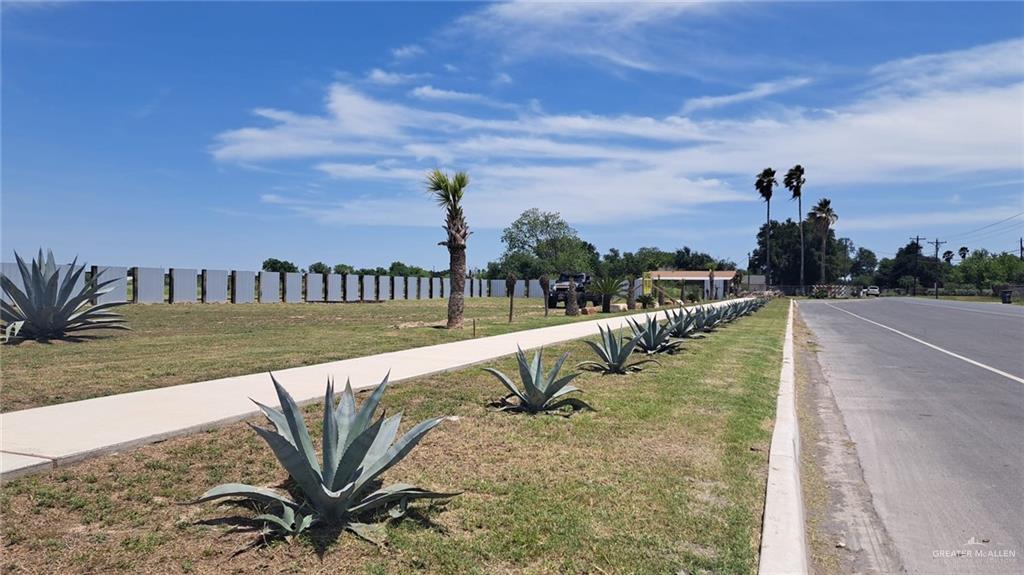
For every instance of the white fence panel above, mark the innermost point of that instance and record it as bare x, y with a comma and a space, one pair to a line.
183, 285
534, 289
351, 287
424, 288
270, 287
446, 287
315, 287
243, 287
399, 287
520, 289
498, 288
215, 286
118, 290
293, 287
334, 288
384, 288
435, 288
369, 291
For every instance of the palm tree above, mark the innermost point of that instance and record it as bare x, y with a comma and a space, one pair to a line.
448, 192
794, 182
764, 184
823, 217
963, 251
948, 256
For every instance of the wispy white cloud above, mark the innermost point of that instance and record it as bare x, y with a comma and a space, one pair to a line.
429, 92
502, 78
667, 165
407, 51
616, 34
979, 65
385, 78
757, 92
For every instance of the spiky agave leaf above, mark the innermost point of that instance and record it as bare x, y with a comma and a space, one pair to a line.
653, 337
356, 449
49, 307
540, 390
680, 322
614, 355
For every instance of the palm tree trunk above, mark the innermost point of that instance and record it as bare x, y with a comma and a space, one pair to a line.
824, 246
768, 246
572, 305
456, 299
800, 214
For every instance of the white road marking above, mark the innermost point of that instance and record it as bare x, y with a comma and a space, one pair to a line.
933, 346
960, 308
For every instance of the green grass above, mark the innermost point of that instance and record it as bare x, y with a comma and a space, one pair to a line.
667, 475
175, 344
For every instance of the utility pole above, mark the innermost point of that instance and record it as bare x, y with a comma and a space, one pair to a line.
1022, 249
917, 261
936, 243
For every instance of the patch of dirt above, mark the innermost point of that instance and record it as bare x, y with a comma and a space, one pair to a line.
844, 531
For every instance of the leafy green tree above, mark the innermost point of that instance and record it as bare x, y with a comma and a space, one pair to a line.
864, 263
276, 265
319, 268
532, 228
404, 270
343, 269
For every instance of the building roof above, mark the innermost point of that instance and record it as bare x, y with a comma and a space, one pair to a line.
692, 274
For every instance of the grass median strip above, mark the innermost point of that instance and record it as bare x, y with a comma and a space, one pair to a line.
175, 344
667, 474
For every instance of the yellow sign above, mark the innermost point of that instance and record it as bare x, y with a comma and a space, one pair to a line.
648, 284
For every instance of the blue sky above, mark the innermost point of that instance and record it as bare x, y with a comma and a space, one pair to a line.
219, 134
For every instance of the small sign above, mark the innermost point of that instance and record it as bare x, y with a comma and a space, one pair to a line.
648, 286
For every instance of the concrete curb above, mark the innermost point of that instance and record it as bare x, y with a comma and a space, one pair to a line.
34, 440
783, 539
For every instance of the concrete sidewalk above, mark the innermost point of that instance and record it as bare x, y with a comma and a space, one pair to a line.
38, 439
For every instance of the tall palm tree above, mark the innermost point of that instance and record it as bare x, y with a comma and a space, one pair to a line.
823, 217
764, 185
948, 256
448, 192
794, 182
963, 251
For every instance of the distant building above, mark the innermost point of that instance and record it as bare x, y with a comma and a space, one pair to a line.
722, 283
753, 283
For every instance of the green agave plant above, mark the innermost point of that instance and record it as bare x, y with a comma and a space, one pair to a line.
653, 336
50, 307
681, 323
614, 354
356, 450
540, 390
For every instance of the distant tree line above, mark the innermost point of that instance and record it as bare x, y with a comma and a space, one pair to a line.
541, 243
395, 269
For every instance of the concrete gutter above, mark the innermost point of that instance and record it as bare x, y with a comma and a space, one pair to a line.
783, 539
34, 440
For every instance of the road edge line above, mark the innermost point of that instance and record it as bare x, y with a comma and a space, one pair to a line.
783, 537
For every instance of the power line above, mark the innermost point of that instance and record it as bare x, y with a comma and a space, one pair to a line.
1017, 215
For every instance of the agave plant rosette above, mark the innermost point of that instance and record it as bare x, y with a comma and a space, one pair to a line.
614, 354
681, 323
541, 391
654, 337
343, 488
51, 305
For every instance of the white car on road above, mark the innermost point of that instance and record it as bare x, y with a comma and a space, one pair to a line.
872, 291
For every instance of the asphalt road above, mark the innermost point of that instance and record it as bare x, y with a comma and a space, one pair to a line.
940, 438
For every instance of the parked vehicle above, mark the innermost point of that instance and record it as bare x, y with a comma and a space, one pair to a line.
872, 291
581, 282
